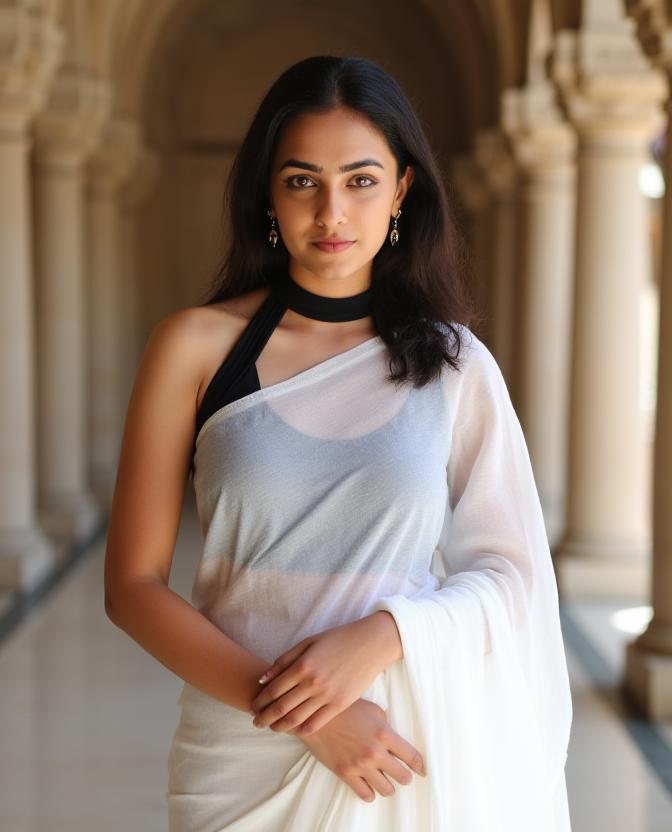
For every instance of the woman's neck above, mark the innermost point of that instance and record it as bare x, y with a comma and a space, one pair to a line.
323, 307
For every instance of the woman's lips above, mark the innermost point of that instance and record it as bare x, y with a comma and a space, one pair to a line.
333, 248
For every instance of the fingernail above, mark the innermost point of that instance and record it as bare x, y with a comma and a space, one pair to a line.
263, 678
252, 711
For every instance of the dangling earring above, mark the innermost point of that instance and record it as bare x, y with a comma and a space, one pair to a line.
394, 234
273, 234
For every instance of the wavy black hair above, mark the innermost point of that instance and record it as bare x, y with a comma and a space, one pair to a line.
419, 288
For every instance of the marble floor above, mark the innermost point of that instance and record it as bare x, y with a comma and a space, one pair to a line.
86, 715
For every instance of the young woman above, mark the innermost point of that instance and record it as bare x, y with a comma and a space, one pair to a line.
373, 537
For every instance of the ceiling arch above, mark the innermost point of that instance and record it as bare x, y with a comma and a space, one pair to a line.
482, 42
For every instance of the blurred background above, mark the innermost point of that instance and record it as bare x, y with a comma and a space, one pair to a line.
118, 122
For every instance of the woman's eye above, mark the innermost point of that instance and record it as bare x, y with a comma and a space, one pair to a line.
364, 176
296, 181
291, 181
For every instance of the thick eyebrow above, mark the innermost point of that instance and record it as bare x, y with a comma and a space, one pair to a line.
362, 163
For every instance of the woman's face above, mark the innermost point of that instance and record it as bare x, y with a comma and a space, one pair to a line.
313, 198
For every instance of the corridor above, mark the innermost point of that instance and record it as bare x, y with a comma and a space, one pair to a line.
86, 716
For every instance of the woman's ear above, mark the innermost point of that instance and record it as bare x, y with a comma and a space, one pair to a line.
402, 188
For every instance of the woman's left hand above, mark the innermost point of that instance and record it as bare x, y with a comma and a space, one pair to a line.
325, 673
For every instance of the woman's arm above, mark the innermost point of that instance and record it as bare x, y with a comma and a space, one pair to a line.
186, 642
494, 621
144, 521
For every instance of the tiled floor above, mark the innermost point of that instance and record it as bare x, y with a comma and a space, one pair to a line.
610, 783
86, 718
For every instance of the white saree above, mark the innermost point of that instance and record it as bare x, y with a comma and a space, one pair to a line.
334, 494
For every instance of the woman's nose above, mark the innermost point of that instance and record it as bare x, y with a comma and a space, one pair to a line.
330, 210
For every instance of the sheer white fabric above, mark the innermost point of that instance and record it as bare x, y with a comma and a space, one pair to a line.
333, 494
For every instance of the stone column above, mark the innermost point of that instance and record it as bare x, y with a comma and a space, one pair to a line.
474, 193
544, 148
495, 161
31, 49
613, 99
647, 680
107, 170
139, 185
648, 671
65, 132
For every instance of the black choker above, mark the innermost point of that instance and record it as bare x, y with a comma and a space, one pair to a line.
321, 307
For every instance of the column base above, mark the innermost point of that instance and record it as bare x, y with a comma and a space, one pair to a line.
26, 557
602, 570
596, 579
647, 681
70, 519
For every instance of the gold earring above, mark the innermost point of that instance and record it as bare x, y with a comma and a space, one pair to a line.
394, 234
273, 234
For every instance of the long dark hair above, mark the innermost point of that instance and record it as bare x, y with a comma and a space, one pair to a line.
419, 293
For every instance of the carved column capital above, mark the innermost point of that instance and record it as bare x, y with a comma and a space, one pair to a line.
611, 93
31, 44
540, 138
492, 154
654, 31
115, 157
69, 127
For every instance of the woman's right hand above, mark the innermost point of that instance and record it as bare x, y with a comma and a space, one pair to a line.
360, 747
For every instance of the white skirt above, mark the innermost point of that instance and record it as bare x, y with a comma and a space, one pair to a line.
225, 775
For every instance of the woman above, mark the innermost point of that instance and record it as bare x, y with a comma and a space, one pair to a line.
373, 537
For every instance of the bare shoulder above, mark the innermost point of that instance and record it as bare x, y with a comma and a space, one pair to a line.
158, 439
209, 333
214, 319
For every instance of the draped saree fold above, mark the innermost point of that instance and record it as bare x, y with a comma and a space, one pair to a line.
332, 495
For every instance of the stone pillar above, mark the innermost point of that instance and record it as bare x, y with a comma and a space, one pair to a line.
31, 50
647, 679
495, 161
107, 170
648, 671
474, 193
135, 192
65, 132
544, 148
613, 99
